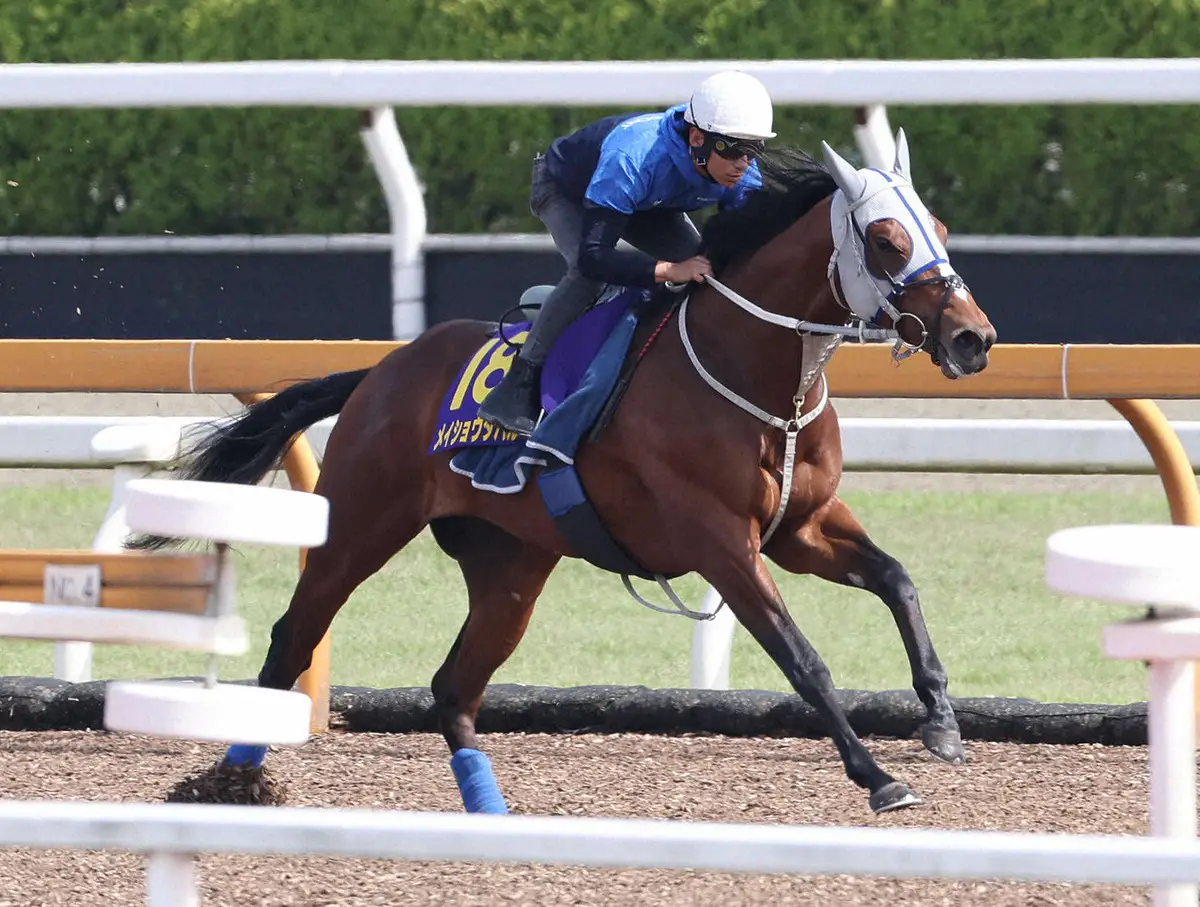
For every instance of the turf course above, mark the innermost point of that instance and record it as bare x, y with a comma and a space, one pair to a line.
977, 559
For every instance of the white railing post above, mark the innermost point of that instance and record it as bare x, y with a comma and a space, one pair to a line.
406, 210
712, 643
1172, 734
1151, 565
171, 880
73, 660
874, 136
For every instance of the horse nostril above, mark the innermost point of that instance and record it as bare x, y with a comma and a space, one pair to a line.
969, 344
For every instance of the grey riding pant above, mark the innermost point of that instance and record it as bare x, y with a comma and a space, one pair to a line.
664, 235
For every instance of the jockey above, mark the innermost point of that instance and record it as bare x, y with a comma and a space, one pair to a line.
633, 177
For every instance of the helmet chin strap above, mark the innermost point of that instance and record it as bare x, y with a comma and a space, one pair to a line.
700, 154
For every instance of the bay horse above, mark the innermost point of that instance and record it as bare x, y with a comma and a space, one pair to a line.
697, 471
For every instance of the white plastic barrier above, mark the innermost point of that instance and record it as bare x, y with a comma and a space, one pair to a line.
170, 834
220, 514
1153, 565
197, 511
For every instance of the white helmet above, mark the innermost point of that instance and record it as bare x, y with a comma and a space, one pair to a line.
732, 103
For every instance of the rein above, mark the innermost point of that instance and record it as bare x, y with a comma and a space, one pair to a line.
860, 330
790, 427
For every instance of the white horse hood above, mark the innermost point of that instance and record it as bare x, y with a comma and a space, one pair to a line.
864, 197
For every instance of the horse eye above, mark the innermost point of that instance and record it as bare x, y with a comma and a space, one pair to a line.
883, 244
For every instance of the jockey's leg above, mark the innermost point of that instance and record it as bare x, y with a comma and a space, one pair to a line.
516, 401
569, 299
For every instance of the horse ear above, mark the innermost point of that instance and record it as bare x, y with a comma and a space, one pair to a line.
849, 180
901, 165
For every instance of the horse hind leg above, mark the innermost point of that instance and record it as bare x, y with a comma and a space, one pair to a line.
504, 577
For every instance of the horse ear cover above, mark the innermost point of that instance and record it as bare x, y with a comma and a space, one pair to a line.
849, 180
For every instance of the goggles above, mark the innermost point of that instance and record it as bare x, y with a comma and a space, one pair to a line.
733, 149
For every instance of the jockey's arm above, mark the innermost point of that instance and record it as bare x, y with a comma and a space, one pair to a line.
599, 258
616, 190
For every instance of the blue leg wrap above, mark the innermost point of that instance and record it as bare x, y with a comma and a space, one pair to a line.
245, 755
480, 792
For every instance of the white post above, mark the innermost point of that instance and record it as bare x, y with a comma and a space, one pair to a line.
1172, 739
874, 137
171, 881
712, 641
406, 209
73, 660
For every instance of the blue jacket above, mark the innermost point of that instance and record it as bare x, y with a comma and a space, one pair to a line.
623, 164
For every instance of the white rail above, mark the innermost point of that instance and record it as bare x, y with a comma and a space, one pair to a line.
775, 849
376, 83
313, 243
1056, 446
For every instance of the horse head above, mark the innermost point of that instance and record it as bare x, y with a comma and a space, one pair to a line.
892, 265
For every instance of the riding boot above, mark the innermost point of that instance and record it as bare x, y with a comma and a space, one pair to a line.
516, 401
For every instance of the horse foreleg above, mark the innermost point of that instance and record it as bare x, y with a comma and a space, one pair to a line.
835, 547
747, 588
504, 577
360, 541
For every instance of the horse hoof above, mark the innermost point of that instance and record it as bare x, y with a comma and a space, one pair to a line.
893, 796
945, 743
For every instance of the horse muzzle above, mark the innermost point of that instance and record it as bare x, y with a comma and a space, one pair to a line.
966, 354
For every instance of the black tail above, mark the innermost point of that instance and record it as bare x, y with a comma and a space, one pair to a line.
243, 450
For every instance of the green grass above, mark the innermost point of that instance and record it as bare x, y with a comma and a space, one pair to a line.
976, 558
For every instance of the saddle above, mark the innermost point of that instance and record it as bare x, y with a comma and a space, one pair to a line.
651, 311
583, 382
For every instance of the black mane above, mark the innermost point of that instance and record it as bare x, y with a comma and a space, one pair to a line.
792, 184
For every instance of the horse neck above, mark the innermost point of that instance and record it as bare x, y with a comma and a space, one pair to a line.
788, 276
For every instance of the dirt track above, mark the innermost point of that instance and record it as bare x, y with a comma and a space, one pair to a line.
1037, 788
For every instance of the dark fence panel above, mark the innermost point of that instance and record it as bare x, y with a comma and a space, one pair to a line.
1031, 297
170, 295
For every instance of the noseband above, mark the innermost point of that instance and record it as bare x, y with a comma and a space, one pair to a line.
929, 339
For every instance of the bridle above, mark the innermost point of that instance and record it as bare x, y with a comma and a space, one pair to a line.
952, 282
